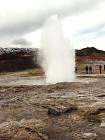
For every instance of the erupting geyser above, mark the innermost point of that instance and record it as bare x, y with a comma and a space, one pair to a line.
58, 56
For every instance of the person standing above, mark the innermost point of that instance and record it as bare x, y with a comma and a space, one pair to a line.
76, 69
86, 69
90, 70
104, 67
100, 69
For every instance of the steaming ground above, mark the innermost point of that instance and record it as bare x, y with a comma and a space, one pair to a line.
24, 108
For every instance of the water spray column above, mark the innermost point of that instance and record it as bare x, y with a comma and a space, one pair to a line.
58, 55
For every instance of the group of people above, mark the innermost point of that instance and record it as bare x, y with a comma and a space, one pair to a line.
88, 69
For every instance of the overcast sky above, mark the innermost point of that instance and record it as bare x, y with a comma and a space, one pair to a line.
83, 21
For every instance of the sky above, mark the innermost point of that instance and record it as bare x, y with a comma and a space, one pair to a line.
83, 22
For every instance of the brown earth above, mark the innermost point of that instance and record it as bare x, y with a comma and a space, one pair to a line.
89, 54
63, 111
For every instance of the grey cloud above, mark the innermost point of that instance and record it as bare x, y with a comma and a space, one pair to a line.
96, 29
21, 41
92, 32
29, 21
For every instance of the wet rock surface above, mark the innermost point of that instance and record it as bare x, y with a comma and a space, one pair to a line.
70, 111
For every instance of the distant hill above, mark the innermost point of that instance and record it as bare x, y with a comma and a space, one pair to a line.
90, 53
16, 59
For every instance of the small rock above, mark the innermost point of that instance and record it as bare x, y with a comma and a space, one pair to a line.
11, 124
59, 110
25, 135
50, 90
21, 135
32, 123
89, 135
100, 131
102, 124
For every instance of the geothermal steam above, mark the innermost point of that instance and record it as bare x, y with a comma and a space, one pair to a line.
58, 56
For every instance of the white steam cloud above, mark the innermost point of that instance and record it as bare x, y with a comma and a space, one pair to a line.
58, 57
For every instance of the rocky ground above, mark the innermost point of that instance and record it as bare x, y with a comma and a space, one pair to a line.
64, 111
